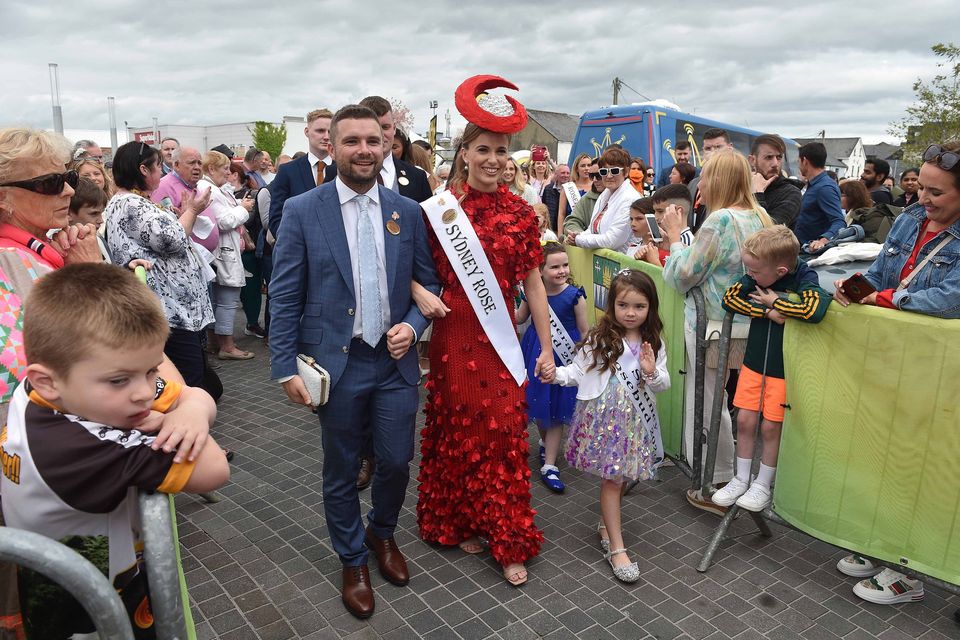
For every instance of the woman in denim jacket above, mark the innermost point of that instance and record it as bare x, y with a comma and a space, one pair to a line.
931, 224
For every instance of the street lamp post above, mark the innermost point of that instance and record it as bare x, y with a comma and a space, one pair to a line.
55, 97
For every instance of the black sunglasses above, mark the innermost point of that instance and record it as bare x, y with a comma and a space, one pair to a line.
594, 176
946, 160
613, 171
48, 185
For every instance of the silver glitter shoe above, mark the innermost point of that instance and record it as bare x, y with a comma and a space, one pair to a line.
629, 573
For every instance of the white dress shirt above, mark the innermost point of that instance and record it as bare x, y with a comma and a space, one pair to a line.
351, 219
389, 172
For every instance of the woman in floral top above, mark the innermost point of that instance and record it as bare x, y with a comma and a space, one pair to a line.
712, 263
138, 228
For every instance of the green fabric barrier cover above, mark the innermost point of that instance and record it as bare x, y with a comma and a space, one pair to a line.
184, 594
870, 455
593, 270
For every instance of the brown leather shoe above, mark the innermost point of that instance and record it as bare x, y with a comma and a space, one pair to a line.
366, 473
357, 593
389, 559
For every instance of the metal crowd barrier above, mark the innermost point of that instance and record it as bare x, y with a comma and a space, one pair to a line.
74, 573
768, 514
163, 566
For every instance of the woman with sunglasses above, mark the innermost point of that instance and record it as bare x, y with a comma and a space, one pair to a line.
918, 269
925, 240
609, 226
34, 199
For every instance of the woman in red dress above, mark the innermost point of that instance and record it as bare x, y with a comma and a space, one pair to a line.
474, 474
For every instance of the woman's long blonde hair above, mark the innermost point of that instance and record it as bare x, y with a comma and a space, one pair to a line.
108, 187
727, 178
518, 184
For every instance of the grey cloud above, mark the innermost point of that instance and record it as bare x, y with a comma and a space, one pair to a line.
796, 70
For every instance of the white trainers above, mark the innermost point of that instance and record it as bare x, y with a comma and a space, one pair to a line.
857, 566
889, 587
757, 498
727, 495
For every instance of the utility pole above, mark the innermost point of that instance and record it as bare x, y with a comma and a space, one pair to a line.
55, 97
616, 90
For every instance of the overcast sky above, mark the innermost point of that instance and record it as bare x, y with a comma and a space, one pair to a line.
816, 65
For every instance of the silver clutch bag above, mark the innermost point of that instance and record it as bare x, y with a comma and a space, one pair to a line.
315, 378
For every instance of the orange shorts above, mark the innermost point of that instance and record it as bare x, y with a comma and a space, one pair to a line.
748, 394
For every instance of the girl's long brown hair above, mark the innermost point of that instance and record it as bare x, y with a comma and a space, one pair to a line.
606, 337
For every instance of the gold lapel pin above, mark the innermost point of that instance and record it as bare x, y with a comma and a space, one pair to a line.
393, 227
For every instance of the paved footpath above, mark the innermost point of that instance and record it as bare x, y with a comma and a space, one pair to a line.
259, 564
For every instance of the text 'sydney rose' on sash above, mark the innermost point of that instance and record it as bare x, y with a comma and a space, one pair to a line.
630, 375
462, 247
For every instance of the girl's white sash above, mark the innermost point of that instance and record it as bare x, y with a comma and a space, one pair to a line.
630, 375
573, 194
563, 344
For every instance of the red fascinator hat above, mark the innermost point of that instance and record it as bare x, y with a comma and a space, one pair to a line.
500, 114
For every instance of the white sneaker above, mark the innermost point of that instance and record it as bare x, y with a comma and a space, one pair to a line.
727, 495
857, 566
889, 587
757, 498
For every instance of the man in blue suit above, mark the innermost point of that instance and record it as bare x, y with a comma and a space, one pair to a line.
345, 257
306, 172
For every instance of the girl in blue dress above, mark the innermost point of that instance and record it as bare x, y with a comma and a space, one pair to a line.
550, 406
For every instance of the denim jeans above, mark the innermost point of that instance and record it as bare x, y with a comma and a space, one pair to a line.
225, 305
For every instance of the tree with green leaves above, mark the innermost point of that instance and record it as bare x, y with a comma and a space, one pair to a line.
269, 137
934, 117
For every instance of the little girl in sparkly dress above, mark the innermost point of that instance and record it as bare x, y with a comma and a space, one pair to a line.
615, 431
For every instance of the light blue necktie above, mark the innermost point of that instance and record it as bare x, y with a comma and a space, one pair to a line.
371, 315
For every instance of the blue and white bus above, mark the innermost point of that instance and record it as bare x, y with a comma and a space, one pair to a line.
651, 131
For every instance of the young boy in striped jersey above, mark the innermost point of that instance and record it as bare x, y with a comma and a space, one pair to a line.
770, 257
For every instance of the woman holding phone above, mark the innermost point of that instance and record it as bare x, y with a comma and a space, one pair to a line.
917, 270
923, 246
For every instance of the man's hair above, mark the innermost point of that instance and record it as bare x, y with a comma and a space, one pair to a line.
107, 307
815, 153
643, 205
380, 106
880, 167
252, 155
351, 112
615, 157
682, 144
712, 134
169, 138
87, 194
771, 140
673, 192
319, 113
776, 245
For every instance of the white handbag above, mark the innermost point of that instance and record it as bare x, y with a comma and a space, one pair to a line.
315, 379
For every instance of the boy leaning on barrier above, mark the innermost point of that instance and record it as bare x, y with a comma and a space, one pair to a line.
770, 257
81, 435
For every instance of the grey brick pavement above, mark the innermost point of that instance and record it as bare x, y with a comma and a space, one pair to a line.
259, 564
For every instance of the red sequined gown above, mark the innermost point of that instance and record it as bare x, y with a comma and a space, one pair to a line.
474, 474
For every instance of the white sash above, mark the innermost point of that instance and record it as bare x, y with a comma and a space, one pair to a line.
460, 243
563, 344
630, 375
573, 194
